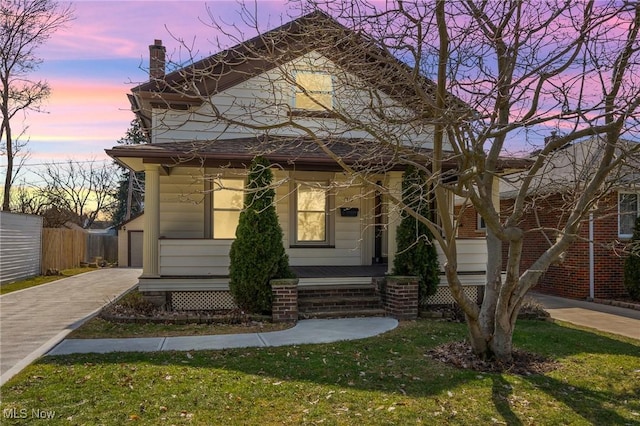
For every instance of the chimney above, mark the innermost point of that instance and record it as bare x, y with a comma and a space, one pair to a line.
156, 60
549, 139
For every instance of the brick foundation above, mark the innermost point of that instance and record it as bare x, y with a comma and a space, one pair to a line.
285, 300
158, 298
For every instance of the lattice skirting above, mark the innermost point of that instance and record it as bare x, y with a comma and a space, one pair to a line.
202, 300
443, 295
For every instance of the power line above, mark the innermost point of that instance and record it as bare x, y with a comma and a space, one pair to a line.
59, 163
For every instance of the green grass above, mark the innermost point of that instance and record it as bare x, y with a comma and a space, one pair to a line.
385, 380
41, 279
98, 328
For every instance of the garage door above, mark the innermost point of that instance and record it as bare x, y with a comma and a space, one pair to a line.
135, 249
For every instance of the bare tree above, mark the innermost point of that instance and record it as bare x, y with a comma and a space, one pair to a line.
25, 26
444, 87
81, 192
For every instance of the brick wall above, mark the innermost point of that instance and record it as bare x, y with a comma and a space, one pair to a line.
401, 297
285, 300
468, 223
571, 277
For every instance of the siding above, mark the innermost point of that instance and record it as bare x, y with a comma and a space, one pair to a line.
20, 246
264, 101
182, 204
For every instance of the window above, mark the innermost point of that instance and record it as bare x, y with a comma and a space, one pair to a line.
312, 221
627, 214
319, 91
482, 226
228, 201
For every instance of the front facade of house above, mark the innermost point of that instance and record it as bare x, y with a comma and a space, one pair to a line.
196, 165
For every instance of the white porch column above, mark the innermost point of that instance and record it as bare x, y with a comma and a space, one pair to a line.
151, 221
394, 186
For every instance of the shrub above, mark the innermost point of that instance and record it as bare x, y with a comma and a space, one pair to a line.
632, 265
416, 254
257, 255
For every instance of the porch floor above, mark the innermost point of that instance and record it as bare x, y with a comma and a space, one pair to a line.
340, 271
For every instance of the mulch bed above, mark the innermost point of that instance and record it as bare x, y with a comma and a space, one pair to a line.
460, 355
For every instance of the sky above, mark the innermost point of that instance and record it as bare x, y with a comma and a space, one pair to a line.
102, 54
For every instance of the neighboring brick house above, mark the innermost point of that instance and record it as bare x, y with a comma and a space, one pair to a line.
593, 267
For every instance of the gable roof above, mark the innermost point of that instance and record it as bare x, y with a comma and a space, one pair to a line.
573, 164
353, 51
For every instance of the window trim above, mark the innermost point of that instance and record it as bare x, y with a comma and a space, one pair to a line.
329, 241
322, 110
620, 195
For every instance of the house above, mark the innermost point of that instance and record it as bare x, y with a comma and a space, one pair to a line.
279, 95
593, 267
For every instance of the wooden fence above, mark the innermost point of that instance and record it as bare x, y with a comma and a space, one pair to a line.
62, 248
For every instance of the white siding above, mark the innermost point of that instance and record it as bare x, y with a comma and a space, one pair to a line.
472, 255
194, 257
20, 246
264, 100
182, 204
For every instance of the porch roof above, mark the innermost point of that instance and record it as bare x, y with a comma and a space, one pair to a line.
301, 153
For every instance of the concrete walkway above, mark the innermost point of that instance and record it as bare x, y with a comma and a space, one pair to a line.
34, 320
611, 319
304, 332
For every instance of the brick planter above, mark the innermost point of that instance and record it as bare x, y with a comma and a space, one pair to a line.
400, 297
285, 300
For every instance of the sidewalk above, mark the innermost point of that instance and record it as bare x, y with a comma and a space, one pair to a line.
611, 319
304, 332
36, 319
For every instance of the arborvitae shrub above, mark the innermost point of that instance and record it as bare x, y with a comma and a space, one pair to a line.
632, 265
416, 254
257, 254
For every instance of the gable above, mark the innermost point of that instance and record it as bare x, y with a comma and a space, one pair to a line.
352, 51
268, 101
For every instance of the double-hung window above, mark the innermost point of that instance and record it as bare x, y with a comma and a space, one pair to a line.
627, 213
228, 200
313, 91
312, 225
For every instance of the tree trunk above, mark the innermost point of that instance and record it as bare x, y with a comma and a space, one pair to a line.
6, 198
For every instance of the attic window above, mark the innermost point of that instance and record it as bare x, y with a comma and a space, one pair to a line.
313, 91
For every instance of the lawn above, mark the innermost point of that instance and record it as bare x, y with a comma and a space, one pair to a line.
41, 279
385, 380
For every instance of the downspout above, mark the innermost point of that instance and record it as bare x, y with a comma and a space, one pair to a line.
591, 260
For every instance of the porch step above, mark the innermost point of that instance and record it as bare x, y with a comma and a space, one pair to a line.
351, 313
316, 304
339, 301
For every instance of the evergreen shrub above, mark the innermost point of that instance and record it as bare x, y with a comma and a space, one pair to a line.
257, 254
416, 254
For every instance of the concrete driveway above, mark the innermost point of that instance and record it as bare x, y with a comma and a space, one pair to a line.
34, 320
612, 319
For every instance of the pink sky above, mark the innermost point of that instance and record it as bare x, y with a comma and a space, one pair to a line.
94, 63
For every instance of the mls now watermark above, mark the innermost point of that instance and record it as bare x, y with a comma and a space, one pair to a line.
23, 413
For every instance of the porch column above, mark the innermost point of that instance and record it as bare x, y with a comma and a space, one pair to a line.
394, 186
151, 221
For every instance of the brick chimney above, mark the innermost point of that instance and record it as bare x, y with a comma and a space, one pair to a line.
156, 60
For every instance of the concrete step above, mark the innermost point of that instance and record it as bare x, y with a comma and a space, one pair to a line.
351, 313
